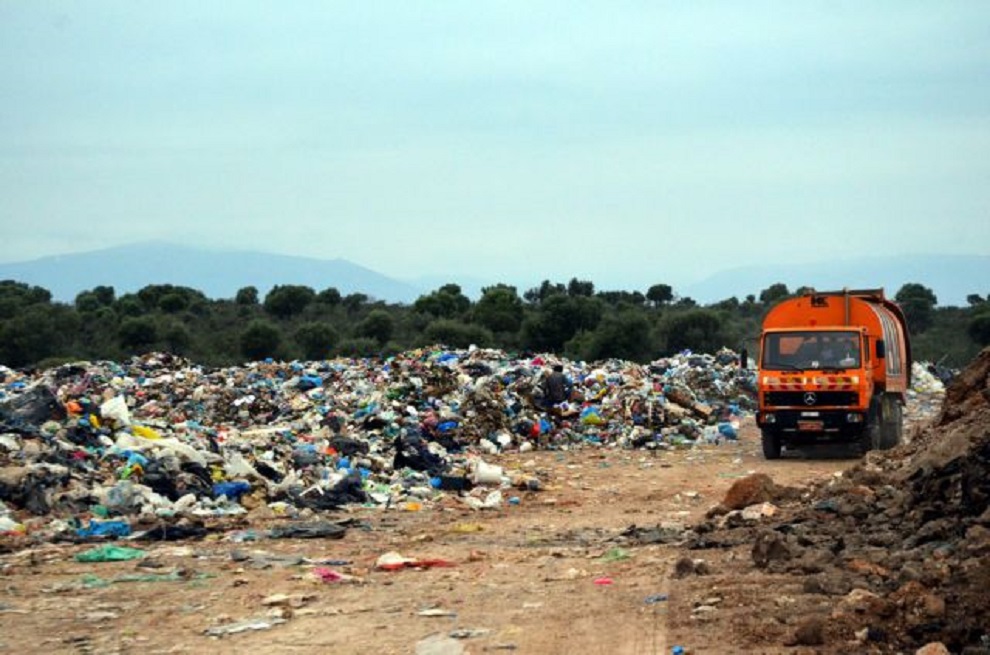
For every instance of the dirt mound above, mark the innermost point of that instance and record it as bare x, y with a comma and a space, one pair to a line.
969, 393
965, 411
901, 543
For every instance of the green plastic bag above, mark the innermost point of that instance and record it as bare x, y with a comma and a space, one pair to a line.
110, 554
616, 555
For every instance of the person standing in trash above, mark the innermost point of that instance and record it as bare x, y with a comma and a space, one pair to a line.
556, 389
555, 385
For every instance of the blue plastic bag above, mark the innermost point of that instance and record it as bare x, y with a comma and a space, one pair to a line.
232, 490
105, 529
307, 382
727, 431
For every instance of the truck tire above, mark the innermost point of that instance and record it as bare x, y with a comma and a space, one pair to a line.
872, 437
892, 423
771, 444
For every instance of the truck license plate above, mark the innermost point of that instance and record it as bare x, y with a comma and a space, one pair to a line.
811, 426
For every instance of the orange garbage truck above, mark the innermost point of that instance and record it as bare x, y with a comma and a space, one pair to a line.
834, 366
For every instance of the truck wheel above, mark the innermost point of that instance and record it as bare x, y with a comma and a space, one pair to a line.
872, 437
771, 444
892, 422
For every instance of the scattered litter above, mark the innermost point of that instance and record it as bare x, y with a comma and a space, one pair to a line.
393, 561
260, 623
104, 529
172, 533
435, 612
92, 581
615, 555
757, 512
110, 554
470, 633
317, 530
324, 574
287, 600
263, 560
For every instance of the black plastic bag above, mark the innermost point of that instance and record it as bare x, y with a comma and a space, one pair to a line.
33, 407
411, 452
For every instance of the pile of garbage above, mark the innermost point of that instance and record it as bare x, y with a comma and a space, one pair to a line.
927, 393
158, 437
898, 547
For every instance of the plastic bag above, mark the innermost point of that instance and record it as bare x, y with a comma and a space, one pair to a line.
105, 529
590, 416
34, 406
145, 432
110, 554
116, 410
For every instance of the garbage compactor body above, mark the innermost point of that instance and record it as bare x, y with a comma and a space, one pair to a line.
834, 366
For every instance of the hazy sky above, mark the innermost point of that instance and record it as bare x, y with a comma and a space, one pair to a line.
623, 142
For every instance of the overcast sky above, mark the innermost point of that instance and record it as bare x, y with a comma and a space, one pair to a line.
622, 142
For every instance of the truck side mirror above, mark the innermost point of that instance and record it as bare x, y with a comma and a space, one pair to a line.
881, 349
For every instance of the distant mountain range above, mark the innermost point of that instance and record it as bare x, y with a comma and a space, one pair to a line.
220, 273
217, 273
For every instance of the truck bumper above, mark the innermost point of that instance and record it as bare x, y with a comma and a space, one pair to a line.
811, 426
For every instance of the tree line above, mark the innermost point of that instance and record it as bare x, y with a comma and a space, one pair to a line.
298, 322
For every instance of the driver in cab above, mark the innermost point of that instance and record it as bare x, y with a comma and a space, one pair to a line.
841, 351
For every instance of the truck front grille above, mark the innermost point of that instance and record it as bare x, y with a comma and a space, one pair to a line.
822, 399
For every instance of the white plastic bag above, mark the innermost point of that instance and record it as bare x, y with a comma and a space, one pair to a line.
116, 410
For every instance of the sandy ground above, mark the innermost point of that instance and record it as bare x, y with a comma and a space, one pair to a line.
527, 578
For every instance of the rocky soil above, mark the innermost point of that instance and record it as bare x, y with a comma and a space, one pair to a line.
890, 556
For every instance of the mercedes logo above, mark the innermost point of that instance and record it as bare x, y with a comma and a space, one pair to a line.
810, 398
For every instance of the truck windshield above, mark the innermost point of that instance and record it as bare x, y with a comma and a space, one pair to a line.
800, 350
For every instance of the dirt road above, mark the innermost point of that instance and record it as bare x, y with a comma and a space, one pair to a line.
551, 574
